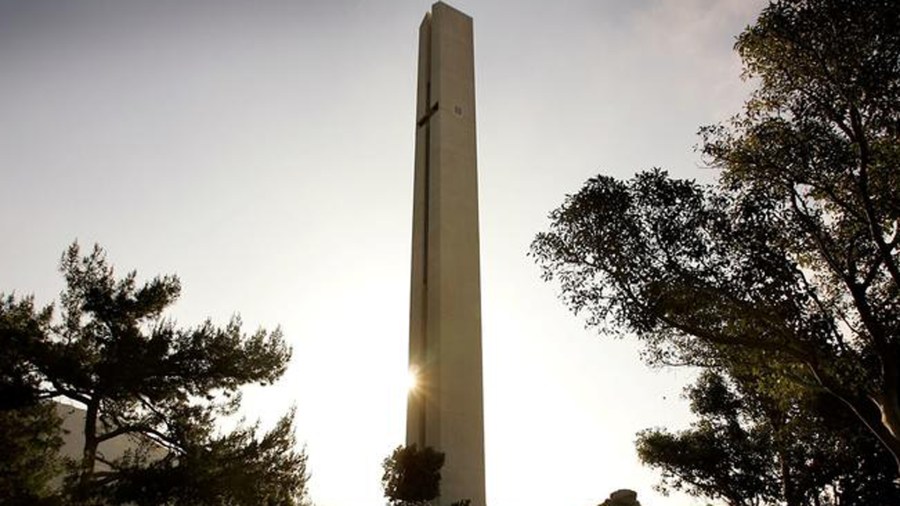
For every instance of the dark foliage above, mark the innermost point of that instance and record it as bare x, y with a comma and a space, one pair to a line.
792, 260
29, 454
749, 449
161, 387
412, 476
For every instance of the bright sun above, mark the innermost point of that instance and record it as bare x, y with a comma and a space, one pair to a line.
412, 380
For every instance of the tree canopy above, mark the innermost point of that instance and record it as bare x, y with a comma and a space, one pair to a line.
412, 475
29, 454
790, 262
162, 387
747, 449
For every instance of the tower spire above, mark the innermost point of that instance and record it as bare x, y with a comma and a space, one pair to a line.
445, 410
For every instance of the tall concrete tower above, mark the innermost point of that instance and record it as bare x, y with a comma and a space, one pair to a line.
445, 410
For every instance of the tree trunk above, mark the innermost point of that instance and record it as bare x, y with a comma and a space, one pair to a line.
890, 420
788, 490
880, 416
89, 454
869, 411
888, 403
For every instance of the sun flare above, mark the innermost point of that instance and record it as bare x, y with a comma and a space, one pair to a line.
412, 380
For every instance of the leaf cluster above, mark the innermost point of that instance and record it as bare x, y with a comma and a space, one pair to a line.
30, 441
152, 386
788, 267
749, 449
412, 475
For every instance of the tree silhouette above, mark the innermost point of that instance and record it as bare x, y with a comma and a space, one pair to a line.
749, 449
161, 387
792, 259
412, 476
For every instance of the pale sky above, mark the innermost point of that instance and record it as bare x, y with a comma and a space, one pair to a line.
263, 152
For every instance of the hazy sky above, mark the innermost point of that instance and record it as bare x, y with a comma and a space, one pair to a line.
263, 151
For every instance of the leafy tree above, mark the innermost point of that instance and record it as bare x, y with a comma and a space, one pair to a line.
29, 429
29, 445
793, 256
238, 468
162, 387
412, 476
749, 449
718, 457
